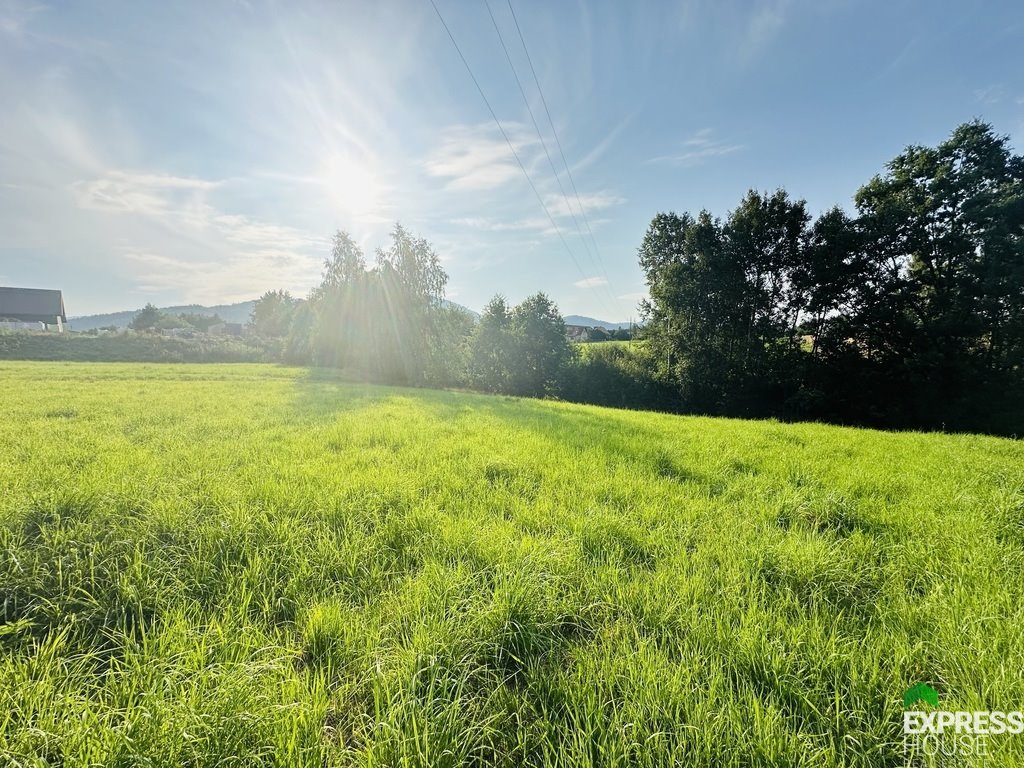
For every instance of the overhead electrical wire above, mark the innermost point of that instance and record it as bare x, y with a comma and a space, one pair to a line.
558, 143
540, 135
508, 141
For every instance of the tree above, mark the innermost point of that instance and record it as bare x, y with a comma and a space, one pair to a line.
520, 351
766, 238
410, 295
340, 321
388, 323
146, 319
944, 230
697, 314
909, 314
448, 357
541, 351
272, 314
725, 303
346, 263
492, 349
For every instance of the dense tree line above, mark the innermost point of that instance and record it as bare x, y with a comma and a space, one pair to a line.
152, 319
907, 313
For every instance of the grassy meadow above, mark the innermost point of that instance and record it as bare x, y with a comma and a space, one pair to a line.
254, 565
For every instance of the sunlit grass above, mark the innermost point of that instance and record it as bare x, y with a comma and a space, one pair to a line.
238, 565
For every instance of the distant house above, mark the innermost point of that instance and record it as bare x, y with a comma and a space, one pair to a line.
33, 305
577, 333
19, 325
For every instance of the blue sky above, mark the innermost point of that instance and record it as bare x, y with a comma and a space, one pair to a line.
177, 152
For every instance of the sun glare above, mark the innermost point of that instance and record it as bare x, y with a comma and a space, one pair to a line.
353, 188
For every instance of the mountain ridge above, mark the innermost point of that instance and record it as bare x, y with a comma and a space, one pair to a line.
239, 312
592, 322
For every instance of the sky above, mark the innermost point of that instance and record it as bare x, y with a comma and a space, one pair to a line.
206, 152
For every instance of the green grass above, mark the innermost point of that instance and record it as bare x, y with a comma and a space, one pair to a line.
134, 347
253, 565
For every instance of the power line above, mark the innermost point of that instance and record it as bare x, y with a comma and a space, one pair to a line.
508, 141
554, 131
540, 135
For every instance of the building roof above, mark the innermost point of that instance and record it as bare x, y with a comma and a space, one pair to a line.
32, 305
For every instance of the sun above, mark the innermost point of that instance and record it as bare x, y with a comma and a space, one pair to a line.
353, 187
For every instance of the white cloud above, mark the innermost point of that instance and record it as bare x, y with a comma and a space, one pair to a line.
563, 207
183, 202
636, 296
235, 277
699, 147
990, 94
766, 21
15, 17
478, 157
591, 282
179, 241
497, 225
132, 192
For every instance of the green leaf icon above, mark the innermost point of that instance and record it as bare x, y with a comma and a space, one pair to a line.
920, 692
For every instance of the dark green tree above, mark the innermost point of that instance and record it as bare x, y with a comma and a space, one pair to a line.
492, 348
146, 319
944, 231
541, 350
697, 315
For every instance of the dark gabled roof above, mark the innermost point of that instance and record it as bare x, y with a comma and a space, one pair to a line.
31, 305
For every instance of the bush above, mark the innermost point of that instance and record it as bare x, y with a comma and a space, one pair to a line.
130, 347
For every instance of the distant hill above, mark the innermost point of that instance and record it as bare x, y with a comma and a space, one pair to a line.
231, 313
454, 305
591, 322
240, 313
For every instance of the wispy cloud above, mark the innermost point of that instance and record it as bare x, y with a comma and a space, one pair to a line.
990, 94
698, 148
478, 157
15, 16
183, 202
236, 277
635, 296
766, 21
499, 225
212, 254
565, 207
135, 192
591, 282
601, 148
485, 183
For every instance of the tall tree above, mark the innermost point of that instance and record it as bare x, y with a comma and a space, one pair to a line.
542, 350
945, 231
338, 307
410, 295
272, 314
385, 323
491, 348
